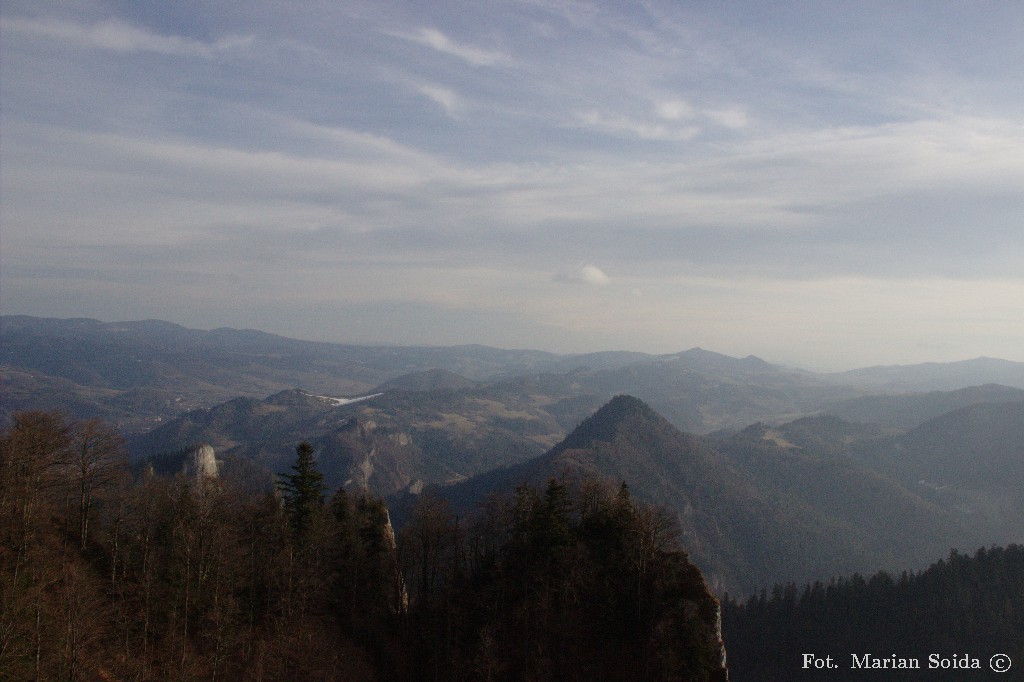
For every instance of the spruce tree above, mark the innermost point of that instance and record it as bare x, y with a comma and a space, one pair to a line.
303, 490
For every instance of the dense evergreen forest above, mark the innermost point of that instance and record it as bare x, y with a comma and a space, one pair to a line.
112, 574
951, 618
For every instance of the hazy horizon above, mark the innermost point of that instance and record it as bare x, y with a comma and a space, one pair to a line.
826, 187
824, 369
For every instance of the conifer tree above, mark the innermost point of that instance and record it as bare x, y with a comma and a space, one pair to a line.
303, 490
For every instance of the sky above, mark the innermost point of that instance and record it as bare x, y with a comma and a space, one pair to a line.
826, 185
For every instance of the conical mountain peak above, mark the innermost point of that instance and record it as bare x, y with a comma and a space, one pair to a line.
623, 412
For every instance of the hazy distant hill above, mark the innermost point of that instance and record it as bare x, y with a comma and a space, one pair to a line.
752, 512
934, 376
822, 434
906, 411
429, 380
971, 459
975, 446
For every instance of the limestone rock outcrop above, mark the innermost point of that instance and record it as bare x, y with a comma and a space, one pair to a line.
201, 462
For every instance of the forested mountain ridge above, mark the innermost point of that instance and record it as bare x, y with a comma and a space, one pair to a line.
193, 577
968, 607
805, 500
751, 510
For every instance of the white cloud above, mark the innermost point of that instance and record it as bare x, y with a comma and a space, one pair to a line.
678, 110
584, 274
674, 110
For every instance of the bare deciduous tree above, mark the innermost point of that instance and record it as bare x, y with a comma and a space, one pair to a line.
98, 459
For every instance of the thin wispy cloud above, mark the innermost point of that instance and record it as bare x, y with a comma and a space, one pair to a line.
448, 99
118, 36
620, 125
436, 40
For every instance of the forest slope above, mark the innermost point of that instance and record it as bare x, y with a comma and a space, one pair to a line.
752, 512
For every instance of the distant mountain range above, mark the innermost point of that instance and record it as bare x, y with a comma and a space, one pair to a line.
138, 374
775, 474
141, 374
